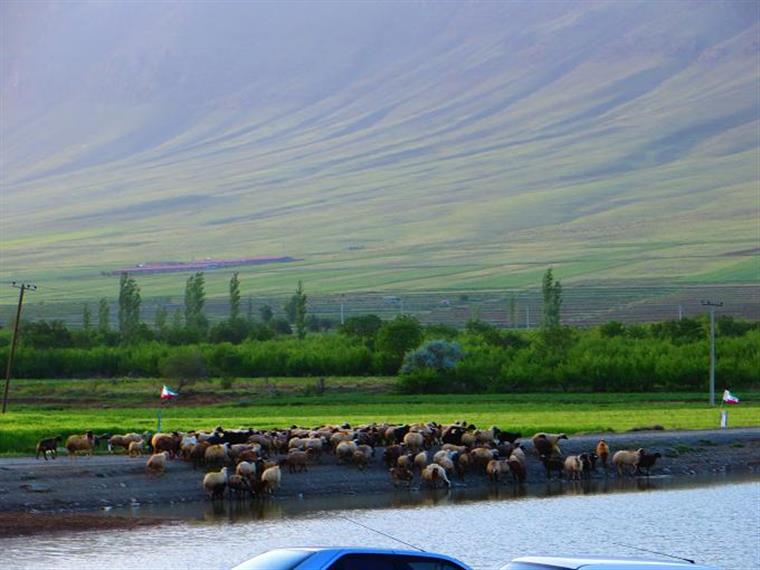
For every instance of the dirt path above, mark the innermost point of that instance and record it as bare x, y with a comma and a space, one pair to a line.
93, 483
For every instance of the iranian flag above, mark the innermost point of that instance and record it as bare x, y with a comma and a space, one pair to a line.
729, 398
167, 393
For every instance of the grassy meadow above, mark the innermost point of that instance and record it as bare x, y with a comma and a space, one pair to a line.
60, 409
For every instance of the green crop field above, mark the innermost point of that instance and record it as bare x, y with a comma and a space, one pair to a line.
528, 413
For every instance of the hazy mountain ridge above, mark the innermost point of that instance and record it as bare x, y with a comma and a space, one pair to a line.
415, 125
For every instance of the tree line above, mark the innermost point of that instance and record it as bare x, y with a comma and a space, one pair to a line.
668, 355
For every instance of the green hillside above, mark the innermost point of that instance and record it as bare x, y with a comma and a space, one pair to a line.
398, 146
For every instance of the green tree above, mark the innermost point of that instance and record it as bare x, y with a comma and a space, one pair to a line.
300, 307
364, 327
512, 312
552, 293
234, 297
104, 311
266, 313
195, 299
399, 336
184, 366
86, 318
249, 309
160, 319
129, 307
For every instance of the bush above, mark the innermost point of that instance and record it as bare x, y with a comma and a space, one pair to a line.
185, 366
436, 355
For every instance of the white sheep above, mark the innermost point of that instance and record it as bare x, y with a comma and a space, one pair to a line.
136, 448
626, 458
215, 482
270, 479
573, 467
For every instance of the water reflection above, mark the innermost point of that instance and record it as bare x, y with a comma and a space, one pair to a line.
275, 508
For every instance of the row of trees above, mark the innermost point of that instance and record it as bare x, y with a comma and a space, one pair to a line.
433, 359
186, 326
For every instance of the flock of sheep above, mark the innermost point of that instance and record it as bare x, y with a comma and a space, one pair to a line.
251, 461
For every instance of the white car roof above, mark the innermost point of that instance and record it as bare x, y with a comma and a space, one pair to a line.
599, 562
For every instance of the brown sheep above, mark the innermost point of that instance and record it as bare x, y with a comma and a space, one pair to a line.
297, 461
156, 464
168, 442
517, 468
480, 456
603, 452
495, 469
217, 454
414, 441
345, 450
80, 444
198, 453
421, 461
405, 461
122, 441
400, 475
238, 485
433, 474
360, 460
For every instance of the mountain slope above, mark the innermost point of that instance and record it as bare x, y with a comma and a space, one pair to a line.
612, 139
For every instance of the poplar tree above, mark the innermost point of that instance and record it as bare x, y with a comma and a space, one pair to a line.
195, 299
234, 297
552, 293
104, 313
160, 319
129, 306
300, 311
86, 318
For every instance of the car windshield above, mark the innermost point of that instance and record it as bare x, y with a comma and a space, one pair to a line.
275, 560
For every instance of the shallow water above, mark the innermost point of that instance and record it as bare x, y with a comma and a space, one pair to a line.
714, 521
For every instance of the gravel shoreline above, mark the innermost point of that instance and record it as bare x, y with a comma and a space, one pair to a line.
71, 488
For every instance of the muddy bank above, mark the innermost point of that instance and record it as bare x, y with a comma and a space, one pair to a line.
101, 483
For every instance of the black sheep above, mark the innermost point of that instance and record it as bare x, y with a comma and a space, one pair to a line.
48, 446
552, 463
647, 461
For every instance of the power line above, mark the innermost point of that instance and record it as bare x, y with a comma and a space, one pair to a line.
22, 287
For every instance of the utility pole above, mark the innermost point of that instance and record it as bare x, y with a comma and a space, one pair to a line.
712, 306
9, 365
680, 312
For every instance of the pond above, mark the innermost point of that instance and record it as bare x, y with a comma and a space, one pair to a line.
715, 521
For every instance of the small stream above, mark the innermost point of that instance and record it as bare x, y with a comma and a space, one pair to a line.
714, 520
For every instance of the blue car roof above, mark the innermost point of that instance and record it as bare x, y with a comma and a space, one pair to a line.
332, 552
